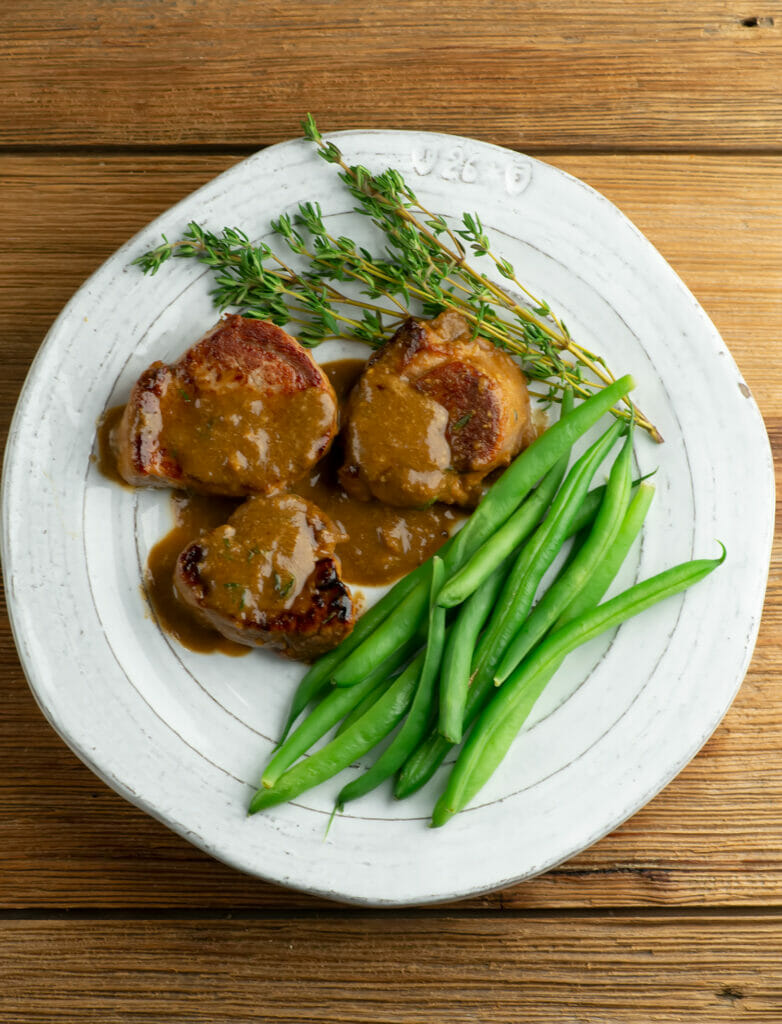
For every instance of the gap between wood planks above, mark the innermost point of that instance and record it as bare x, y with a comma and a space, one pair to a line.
153, 914
244, 150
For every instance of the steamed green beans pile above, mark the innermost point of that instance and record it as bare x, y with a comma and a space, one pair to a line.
459, 648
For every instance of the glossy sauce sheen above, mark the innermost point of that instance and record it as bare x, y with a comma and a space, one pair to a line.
392, 416
383, 543
226, 457
243, 411
453, 406
260, 561
106, 459
194, 516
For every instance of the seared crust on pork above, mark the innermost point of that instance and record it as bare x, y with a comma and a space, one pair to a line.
434, 412
269, 577
246, 410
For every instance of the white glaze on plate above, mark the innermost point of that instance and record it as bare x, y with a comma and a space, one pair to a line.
184, 736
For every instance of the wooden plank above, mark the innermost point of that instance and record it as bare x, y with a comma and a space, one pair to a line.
715, 219
349, 968
712, 837
534, 74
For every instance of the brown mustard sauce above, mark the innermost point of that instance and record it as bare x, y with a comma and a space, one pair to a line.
106, 461
237, 441
343, 374
262, 559
392, 415
194, 515
383, 544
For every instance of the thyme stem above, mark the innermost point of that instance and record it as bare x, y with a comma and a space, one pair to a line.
425, 261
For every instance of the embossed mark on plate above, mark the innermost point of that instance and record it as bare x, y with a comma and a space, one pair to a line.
458, 163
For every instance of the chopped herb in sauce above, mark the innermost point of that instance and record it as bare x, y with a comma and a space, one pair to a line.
283, 585
238, 591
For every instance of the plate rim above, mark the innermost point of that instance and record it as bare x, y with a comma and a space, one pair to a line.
12, 453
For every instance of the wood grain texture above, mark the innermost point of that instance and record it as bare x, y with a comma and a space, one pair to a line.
457, 968
158, 96
713, 837
543, 73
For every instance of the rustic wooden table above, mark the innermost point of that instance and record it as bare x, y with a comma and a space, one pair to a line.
110, 112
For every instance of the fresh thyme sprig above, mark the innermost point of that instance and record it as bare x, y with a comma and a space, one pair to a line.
424, 263
418, 247
277, 293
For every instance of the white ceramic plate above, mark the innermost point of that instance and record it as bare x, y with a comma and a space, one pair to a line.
184, 736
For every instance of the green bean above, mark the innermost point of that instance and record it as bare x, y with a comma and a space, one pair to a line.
560, 594
459, 650
593, 499
391, 634
575, 547
364, 704
515, 483
513, 532
485, 589
318, 676
343, 750
331, 709
536, 556
412, 610
505, 495
414, 726
601, 579
501, 720
424, 762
